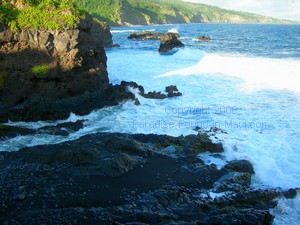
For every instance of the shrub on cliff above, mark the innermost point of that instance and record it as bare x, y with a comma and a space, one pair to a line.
8, 15
41, 69
40, 14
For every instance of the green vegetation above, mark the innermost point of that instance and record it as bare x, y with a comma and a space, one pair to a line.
104, 10
164, 11
8, 15
42, 69
40, 14
61, 14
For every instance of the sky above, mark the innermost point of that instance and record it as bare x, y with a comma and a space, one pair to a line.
282, 9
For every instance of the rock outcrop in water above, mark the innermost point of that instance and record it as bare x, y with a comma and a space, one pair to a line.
129, 179
48, 74
204, 38
145, 35
170, 41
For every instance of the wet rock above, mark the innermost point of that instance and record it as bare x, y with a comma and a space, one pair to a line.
137, 102
204, 38
172, 91
145, 35
63, 129
133, 85
232, 182
155, 95
111, 156
291, 193
241, 166
170, 41
113, 178
201, 143
7, 131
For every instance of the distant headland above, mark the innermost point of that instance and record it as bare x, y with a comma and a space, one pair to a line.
144, 12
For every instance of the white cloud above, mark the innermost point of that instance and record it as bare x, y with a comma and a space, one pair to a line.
285, 9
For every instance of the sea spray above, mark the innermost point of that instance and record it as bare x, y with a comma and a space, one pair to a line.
173, 30
257, 72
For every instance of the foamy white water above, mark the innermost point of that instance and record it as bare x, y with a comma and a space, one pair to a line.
173, 30
123, 31
128, 31
257, 72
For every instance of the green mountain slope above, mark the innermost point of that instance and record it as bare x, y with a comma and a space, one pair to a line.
166, 11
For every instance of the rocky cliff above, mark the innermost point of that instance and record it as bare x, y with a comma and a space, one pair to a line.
47, 74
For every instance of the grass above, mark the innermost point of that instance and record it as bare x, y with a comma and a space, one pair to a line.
40, 14
41, 69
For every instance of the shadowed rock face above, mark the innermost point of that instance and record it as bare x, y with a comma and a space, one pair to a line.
75, 63
111, 178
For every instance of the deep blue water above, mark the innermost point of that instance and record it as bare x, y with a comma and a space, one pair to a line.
268, 40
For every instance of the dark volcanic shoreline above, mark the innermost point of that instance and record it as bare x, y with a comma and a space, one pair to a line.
111, 178
105, 178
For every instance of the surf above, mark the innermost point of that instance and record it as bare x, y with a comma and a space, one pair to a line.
258, 73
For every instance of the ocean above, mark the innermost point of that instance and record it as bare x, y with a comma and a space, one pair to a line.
245, 81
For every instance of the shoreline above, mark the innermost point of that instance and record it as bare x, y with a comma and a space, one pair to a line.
117, 178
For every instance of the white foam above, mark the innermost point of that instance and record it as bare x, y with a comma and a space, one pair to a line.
129, 31
257, 72
123, 31
216, 159
214, 195
173, 30
287, 211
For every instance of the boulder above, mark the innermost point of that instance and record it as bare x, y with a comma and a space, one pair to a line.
13, 131
169, 41
204, 38
155, 95
241, 166
63, 129
232, 181
173, 91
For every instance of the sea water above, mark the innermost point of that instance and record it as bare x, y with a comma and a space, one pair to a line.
245, 81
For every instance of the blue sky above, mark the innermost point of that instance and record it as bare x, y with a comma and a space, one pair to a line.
284, 9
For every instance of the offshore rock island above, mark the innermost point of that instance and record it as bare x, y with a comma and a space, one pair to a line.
53, 69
